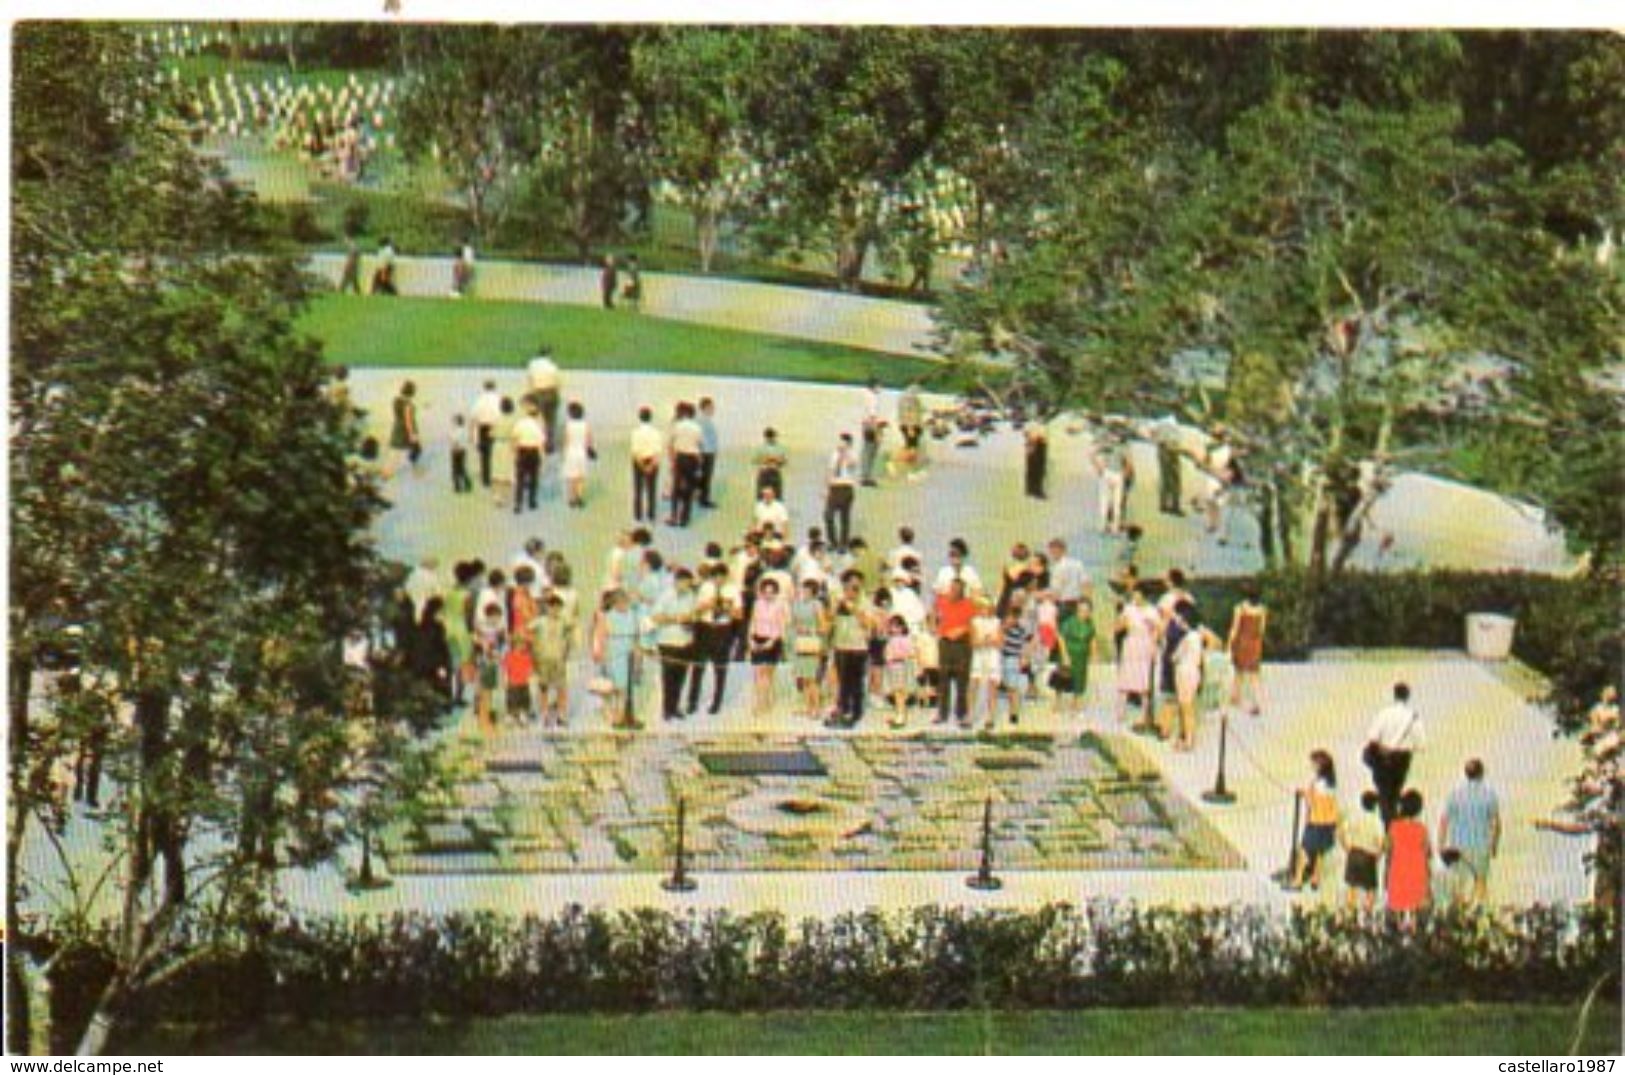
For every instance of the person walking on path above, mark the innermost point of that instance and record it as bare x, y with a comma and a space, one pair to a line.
1408, 857
529, 440
608, 277
460, 481
633, 292
839, 493
1320, 827
1067, 577
687, 439
405, 440
1394, 736
1246, 646
383, 277
1471, 825
1170, 469
951, 619
462, 269
350, 278
1113, 486
578, 453
504, 466
911, 426
1037, 451
542, 382
710, 444
484, 416
872, 428
770, 460
648, 446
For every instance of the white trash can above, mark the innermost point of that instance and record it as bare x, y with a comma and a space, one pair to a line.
1489, 636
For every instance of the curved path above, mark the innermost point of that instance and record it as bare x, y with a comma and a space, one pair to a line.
805, 313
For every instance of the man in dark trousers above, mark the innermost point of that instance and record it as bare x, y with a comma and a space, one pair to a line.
1169, 468
484, 416
607, 280
840, 490
710, 444
1037, 459
1394, 736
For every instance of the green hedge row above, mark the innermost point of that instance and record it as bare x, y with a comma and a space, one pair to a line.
1568, 629
1105, 954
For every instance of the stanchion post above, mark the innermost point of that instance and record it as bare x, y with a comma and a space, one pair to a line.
983, 880
1220, 793
680, 881
629, 709
1287, 876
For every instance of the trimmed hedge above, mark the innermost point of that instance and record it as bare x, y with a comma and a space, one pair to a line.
1104, 954
1569, 629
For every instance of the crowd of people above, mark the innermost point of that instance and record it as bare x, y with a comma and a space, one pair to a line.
840, 627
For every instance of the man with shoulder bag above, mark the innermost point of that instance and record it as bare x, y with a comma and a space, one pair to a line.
1394, 736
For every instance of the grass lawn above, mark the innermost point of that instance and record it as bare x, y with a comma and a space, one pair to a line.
422, 332
1461, 1030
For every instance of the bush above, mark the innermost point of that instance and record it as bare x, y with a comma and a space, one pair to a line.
1104, 954
1568, 629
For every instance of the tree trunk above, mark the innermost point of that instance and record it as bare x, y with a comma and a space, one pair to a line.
1266, 524
707, 224
29, 1004
21, 1024
103, 1021
851, 245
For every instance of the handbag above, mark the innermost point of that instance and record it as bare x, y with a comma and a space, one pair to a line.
809, 646
1060, 679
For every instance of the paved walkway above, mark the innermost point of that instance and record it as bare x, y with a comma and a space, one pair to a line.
804, 313
974, 493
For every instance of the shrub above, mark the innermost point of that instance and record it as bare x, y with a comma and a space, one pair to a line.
1568, 629
1105, 954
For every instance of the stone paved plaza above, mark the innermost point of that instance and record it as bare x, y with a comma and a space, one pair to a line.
547, 803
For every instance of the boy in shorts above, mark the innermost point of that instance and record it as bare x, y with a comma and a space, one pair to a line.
1363, 843
552, 639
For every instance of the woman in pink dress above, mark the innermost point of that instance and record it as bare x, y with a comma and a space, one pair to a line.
1139, 623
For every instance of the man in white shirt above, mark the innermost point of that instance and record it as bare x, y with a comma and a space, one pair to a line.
687, 444
529, 441
542, 374
531, 556
840, 491
771, 511
1394, 736
958, 568
1067, 577
873, 427
648, 445
484, 416
905, 549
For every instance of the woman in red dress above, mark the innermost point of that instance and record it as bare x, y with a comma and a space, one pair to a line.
1246, 645
1408, 857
